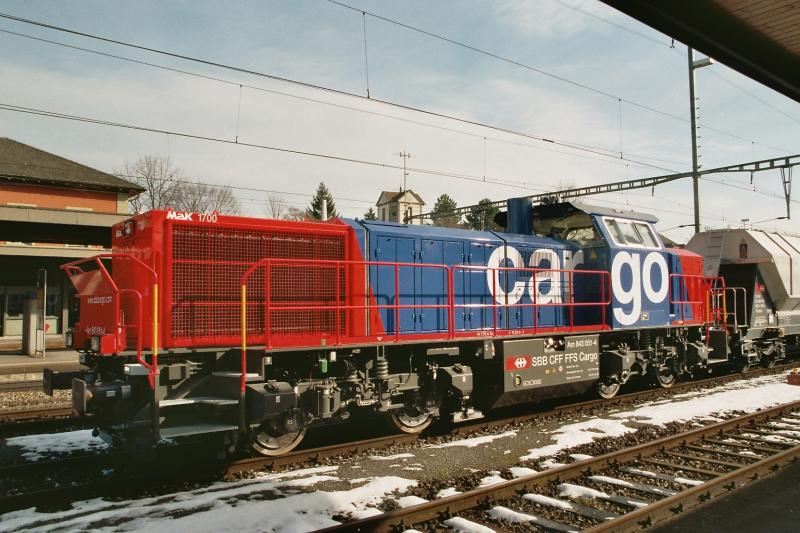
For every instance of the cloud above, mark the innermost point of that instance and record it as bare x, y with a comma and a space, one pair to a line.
480, 90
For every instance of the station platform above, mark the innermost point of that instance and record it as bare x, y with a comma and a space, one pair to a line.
15, 366
769, 504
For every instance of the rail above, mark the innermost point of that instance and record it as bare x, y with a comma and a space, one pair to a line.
72, 269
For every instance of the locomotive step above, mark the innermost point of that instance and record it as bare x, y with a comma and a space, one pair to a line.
194, 429
203, 400
250, 376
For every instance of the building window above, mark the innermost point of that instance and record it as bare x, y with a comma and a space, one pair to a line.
14, 304
53, 305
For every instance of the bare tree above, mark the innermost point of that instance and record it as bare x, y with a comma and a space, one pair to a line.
160, 179
294, 213
203, 198
167, 187
276, 207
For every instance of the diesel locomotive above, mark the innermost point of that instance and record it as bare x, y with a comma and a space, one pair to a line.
252, 330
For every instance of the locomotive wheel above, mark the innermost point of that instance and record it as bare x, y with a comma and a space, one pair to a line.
665, 377
608, 389
410, 420
271, 441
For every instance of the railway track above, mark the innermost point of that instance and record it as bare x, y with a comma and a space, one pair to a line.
626, 490
20, 386
127, 478
40, 420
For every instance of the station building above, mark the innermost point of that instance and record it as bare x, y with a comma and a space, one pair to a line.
395, 206
52, 210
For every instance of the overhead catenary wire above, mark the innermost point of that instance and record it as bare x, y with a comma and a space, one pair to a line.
606, 153
332, 157
332, 90
543, 72
660, 43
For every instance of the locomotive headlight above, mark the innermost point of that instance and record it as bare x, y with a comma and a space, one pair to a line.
68, 339
94, 344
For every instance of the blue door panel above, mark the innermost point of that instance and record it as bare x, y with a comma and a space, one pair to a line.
480, 295
431, 287
454, 255
394, 250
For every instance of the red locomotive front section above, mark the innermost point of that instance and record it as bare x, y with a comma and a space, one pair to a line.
195, 263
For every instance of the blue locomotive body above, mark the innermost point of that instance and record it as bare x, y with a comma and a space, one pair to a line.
589, 267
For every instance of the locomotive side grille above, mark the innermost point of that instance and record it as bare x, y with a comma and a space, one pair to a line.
208, 263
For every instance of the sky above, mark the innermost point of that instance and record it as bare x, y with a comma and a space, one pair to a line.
588, 76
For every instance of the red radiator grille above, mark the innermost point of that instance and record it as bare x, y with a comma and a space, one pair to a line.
207, 265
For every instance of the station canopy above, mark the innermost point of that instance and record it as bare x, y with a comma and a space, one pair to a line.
760, 39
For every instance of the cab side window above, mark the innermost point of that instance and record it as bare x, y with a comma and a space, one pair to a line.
647, 235
630, 233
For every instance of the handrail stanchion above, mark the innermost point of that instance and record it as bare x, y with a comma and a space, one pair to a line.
451, 304
494, 300
338, 309
397, 302
603, 301
268, 304
571, 301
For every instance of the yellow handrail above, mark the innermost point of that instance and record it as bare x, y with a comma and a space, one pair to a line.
154, 369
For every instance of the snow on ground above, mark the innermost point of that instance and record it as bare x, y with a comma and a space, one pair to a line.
772, 390
580, 456
36, 447
462, 525
287, 502
475, 441
270, 502
579, 433
492, 479
394, 457
409, 501
446, 493
742, 395
519, 471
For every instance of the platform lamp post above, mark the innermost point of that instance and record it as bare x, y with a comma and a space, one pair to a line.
694, 65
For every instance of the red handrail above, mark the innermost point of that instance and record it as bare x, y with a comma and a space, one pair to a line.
606, 280
396, 306
70, 268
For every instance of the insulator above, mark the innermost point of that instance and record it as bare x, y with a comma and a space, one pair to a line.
381, 369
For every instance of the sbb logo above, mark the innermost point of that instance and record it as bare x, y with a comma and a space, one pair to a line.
639, 281
518, 362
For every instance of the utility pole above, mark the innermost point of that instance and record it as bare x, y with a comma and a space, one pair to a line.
406, 156
694, 65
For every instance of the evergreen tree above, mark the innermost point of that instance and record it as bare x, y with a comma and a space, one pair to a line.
442, 212
370, 215
481, 216
314, 211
